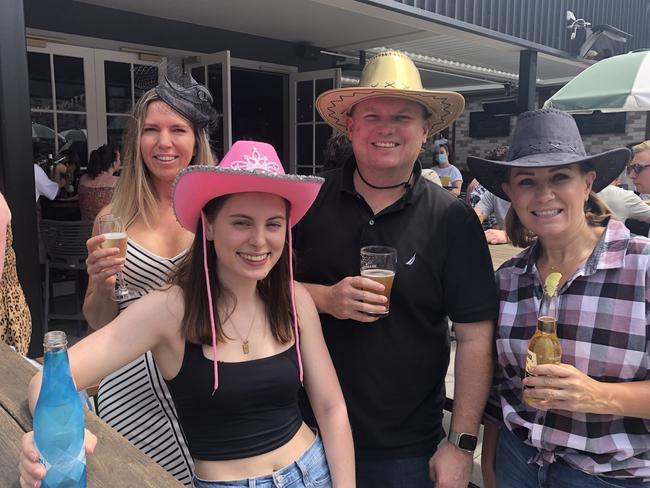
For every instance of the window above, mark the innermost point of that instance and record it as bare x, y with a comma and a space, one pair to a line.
311, 131
124, 84
58, 104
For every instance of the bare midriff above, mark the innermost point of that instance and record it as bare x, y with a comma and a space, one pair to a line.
263, 464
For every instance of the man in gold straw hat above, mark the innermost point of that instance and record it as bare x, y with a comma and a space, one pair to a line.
392, 369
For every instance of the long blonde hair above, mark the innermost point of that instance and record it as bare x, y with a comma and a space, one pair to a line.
135, 193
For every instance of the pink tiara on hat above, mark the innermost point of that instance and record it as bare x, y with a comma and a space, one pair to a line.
257, 162
249, 166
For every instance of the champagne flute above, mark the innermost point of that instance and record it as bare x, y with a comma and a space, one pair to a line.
113, 229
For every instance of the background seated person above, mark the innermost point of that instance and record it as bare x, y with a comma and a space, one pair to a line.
65, 170
450, 175
627, 207
490, 204
491, 210
474, 193
96, 187
43, 185
638, 170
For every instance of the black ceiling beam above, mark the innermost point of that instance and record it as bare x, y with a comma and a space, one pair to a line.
527, 80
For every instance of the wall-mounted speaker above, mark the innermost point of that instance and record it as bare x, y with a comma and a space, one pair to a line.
501, 106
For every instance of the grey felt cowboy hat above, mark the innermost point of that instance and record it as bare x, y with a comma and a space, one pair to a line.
545, 138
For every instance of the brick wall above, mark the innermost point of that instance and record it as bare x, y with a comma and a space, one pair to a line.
634, 133
466, 146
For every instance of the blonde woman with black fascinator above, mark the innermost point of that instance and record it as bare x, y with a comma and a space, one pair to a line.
168, 132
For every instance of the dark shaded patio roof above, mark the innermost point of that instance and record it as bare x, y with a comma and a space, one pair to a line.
454, 53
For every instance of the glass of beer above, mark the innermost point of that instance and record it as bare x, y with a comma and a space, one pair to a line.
113, 229
378, 263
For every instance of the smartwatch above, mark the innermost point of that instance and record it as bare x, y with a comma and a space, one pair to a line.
463, 441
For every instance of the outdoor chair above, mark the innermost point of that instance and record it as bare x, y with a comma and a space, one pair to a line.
65, 251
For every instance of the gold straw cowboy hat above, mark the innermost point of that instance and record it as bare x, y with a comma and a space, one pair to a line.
390, 74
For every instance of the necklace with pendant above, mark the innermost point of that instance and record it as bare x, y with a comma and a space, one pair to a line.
244, 341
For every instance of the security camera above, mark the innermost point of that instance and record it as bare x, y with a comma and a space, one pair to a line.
603, 42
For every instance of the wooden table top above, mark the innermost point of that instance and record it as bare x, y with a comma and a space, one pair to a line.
501, 253
115, 462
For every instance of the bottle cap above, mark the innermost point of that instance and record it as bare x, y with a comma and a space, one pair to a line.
55, 338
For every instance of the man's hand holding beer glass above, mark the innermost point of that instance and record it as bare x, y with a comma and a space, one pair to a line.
355, 297
364, 298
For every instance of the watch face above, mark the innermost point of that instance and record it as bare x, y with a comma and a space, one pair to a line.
467, 442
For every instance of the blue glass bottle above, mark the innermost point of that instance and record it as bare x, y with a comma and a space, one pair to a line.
59, 419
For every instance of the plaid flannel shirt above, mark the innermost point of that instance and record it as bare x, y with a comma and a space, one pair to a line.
604, 329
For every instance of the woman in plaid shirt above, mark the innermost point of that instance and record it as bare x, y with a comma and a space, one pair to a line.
591, 426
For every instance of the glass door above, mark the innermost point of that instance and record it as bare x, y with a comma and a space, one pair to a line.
309, 132
213, 71
122, 78
81, 98
62, 101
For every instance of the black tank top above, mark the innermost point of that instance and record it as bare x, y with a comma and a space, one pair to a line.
254, 410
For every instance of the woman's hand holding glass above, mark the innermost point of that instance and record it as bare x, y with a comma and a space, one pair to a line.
106, 258
115, 238
102, 264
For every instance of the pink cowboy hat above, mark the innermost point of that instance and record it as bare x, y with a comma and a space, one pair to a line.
249, 166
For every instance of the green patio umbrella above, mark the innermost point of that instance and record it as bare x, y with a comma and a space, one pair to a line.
617, 84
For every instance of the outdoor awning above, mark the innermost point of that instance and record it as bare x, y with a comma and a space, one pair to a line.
452, 54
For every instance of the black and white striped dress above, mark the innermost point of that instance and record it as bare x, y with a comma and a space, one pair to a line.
135, 400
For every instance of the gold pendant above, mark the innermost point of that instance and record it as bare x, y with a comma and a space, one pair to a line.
245, 347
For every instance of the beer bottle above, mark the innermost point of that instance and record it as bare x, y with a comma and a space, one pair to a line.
59, 419
544, 347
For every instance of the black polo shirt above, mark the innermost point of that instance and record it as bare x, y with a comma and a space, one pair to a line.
392, 371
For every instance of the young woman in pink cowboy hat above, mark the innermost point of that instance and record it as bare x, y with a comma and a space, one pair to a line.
231, 333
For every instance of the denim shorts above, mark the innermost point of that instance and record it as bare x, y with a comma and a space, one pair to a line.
310, 470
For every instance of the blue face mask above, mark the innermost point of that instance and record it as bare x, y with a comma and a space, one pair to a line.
441, 158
